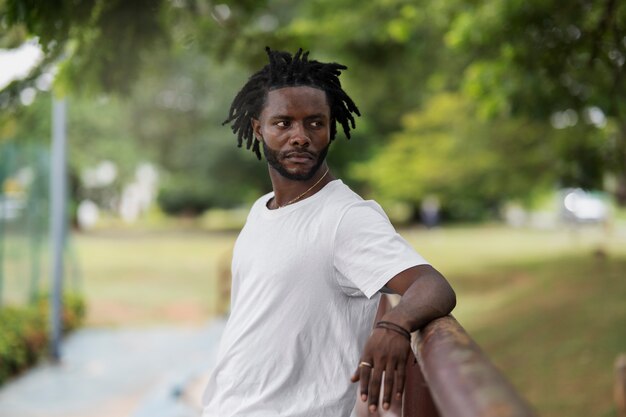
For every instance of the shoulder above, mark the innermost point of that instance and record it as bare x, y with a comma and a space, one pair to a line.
365, 216
347, 201
339, 196
350, 210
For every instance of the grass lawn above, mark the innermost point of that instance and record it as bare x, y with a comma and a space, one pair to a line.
549, 307
146, 278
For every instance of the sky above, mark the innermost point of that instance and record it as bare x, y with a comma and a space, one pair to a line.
16, 63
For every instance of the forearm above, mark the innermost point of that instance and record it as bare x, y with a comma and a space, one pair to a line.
427, 298
426, 295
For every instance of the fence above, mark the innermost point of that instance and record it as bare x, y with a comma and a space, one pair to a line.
24, 223
449, 376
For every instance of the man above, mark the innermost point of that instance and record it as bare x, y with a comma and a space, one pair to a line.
310, 262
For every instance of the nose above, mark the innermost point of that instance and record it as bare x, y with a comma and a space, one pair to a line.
299, 136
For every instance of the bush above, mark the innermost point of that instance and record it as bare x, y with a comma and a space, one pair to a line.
24, 332
185, 199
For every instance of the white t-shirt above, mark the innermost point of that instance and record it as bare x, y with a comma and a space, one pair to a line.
305, 290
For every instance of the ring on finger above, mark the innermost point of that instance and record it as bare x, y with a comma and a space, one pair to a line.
363, 363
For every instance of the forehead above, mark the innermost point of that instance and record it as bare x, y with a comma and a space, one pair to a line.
295, 101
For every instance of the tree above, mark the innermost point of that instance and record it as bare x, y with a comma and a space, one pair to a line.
100, 42
471, 166
515, 68
171, 114
543, 58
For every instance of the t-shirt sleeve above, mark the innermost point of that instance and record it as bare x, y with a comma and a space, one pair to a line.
368, 251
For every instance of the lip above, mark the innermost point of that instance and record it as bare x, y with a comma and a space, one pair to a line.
299, 157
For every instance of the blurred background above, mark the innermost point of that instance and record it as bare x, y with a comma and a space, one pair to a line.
493, 133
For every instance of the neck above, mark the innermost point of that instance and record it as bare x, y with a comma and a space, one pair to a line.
286, 190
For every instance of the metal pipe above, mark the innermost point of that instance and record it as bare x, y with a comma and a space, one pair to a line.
58, 206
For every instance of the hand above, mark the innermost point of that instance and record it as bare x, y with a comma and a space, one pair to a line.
387, 352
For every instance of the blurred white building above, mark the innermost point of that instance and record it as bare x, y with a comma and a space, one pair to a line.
139, 195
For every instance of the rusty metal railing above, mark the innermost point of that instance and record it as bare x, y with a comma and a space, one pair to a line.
460, 377
450, 376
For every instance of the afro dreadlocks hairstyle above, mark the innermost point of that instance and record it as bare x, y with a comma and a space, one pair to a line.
284, 70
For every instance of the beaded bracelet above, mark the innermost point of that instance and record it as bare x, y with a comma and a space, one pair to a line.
394, 328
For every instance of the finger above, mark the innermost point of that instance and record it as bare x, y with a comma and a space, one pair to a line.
374, 388
356, 376
388, 381
365, 372
399, 378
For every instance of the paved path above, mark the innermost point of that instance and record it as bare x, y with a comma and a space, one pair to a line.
156, 372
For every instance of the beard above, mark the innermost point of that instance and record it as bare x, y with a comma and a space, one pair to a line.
275, 157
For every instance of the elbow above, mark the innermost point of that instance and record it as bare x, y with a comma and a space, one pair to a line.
447, 296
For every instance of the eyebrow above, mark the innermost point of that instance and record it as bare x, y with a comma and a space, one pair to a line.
286, 117
316, 116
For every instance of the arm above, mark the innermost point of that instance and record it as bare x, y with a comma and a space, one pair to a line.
426, 295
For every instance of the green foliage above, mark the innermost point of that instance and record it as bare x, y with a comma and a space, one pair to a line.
24, 332
98, 129
541, 57
549, 56
177, 113
22, 339
471, 166
185, 198
99, 40
512, 66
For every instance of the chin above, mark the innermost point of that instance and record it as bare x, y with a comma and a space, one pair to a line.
302, 171
298, 173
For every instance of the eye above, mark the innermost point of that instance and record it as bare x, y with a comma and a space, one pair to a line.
282, 123
316, 123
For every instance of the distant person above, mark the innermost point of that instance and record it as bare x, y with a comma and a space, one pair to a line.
310, 262
430, 211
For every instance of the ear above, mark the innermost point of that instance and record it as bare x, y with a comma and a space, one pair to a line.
256, 128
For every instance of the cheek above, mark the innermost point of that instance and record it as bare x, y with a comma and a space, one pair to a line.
323, 135
273, 133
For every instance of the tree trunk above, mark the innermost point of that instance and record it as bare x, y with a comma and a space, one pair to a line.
620, 189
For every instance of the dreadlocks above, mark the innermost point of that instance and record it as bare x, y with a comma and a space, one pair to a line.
287, 71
